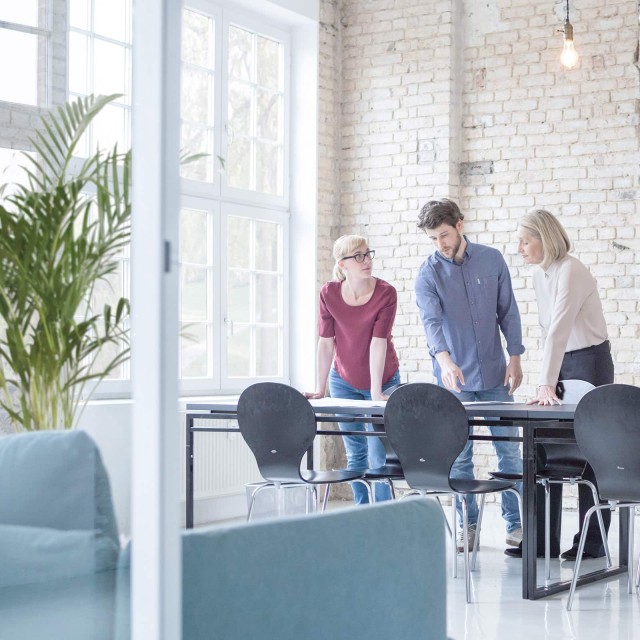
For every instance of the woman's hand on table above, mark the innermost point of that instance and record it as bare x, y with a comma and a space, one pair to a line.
546, 396
379, 395
313, 395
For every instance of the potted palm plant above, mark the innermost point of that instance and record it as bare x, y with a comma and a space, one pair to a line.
60, 236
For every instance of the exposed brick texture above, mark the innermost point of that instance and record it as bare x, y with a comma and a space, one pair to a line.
468, 100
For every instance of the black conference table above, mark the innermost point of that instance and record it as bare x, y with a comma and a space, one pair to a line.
537, 425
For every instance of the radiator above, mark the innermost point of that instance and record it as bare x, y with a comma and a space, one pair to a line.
222, 463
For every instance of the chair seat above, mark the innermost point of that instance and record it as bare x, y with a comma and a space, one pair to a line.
499, 475
460, 485
387, 471
329, 477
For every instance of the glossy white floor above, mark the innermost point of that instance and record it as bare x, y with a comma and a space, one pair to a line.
600, 611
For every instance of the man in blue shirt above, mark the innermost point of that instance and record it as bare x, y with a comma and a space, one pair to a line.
465, 298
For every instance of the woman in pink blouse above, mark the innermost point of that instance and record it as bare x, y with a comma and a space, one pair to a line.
575, 344
356, 314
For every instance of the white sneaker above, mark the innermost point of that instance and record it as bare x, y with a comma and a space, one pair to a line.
514, 538
471, 537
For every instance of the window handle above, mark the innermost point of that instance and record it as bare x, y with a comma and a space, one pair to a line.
229, 323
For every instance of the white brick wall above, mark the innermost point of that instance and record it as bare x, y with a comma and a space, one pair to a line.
416, 88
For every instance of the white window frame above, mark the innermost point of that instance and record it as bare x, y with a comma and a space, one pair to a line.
229, 201
242, 19
269, 215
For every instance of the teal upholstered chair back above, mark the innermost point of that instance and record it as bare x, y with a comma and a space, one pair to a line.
55, 480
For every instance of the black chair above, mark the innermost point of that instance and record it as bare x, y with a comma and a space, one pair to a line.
427, 426
607, 430
279, 425
561, 464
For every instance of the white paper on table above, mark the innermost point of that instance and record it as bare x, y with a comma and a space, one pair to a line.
474, 402
345, 402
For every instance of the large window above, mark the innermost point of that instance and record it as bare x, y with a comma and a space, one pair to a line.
234, 219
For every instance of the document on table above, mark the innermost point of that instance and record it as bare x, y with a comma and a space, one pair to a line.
345, 402
475, 402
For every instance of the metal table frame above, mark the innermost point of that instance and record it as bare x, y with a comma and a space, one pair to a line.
530, 417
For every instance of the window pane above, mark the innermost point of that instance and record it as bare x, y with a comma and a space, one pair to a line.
268, 168
11, 171
267, 298
194, 140
194, 346
238, 242
267, 351
240, 54
20, 11
267, 246
111, 19
239, 108
239, 353
79, 14
197, 95
194, 294
78, 59
269, 65
197, 39
111, 126
18, 80
110, 68
194, 246
239, 296
107, 291
238, 164
268, 115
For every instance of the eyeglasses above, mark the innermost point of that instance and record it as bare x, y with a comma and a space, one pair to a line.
359, 257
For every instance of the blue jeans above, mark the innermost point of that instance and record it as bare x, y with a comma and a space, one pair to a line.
509, 460
362, 452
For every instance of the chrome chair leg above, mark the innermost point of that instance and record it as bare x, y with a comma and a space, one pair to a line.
454, 515
547, 531
632, 513
465, 538
476, 542
576, 569
603, 532
325, 499
446, 521
252, 500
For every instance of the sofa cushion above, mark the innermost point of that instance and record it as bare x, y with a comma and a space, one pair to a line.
36, 554
55, 480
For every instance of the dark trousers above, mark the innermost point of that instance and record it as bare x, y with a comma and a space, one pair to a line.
595, 365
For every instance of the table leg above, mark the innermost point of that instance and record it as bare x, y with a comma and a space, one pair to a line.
189, 471
529, 541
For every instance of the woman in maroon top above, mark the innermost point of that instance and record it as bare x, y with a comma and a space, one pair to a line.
356, 314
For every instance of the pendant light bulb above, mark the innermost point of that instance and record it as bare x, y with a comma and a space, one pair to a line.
569, 56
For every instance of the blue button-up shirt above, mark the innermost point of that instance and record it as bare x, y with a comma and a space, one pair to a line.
463, 308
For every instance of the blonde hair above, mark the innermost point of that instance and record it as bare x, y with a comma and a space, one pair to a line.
342, 247
546, 228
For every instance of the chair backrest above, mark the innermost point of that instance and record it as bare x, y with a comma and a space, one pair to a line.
427, 427
279, 425
607, 430
574, 390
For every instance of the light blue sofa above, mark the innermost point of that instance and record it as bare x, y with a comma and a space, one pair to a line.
59, 543
373, 572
